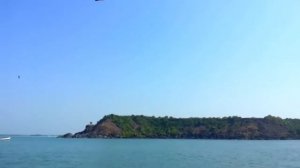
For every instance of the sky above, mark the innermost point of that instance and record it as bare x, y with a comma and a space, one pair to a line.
80, 60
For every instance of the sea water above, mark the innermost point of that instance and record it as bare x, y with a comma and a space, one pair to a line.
50, 152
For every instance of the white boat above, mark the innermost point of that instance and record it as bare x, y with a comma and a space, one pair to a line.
5, 138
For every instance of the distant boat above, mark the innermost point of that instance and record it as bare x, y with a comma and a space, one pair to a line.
5, 138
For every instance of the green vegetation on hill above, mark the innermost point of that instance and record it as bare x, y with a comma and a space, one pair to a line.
139, 126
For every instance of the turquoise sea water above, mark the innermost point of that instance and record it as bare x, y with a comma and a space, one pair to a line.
47, 152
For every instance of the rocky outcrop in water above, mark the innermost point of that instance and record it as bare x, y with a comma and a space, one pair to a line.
67, 135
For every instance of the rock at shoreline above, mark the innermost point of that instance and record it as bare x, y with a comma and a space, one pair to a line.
67, 135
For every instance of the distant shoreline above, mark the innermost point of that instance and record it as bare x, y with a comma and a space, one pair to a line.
226, 128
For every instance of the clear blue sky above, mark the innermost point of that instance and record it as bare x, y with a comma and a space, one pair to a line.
80, 60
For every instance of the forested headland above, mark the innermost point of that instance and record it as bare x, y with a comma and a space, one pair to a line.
139, 126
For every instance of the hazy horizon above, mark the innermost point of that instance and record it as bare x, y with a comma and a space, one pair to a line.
81, 60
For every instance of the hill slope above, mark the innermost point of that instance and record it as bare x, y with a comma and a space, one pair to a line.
114, 126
